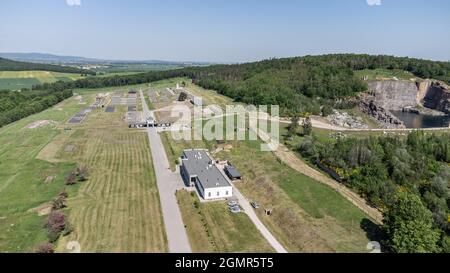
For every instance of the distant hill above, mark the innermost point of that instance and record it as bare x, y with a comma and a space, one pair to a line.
56, 59
46, 58
10, 65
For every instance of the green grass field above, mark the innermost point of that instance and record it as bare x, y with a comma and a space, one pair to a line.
116, 210
15, 80
22, 178
212, 228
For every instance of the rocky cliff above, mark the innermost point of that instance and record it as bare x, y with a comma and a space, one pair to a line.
438, 98
386, 96
395, 95
383, 116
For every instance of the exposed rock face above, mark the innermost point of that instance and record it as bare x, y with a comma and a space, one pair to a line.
438, 97
345, 120
386, 118
395, 95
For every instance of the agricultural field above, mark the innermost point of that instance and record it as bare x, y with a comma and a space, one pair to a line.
15, 80
116, 210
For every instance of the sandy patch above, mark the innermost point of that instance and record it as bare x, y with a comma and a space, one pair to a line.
49, 179
43, 209
227, 148
41, 123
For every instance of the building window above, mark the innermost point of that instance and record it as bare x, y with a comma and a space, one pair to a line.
218, 193
227, 193
209, 194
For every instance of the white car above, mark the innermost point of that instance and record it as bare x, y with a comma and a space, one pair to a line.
235, 209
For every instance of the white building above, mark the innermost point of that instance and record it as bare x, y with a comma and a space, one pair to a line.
199, 170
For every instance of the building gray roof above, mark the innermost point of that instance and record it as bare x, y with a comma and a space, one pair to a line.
198, 163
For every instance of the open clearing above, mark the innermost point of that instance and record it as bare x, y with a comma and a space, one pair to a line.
116, 210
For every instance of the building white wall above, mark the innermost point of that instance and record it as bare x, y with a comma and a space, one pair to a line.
218, 193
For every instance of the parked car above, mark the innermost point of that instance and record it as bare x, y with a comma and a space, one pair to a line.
235, 209
255, 205
232, 203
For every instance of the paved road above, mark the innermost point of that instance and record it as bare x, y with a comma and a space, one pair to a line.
168, 183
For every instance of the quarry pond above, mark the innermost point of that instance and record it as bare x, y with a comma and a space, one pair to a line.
413, 120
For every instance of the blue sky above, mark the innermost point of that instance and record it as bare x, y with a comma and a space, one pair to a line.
225, 30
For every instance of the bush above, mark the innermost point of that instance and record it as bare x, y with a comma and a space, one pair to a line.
196, 204
59, 203
46, 248
82, 173
55, 224
327, 110
71, 179
63, 194
68, 229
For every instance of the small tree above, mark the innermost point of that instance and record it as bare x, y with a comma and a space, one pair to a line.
293, 127
55, 224
409, 227
307, 127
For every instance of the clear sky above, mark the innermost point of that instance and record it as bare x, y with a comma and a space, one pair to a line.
225, 30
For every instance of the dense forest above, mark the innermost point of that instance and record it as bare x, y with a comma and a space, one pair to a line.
401, 176
9, 65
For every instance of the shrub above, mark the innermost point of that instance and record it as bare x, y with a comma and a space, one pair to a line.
82, 173
71, 179
59, 203
55, 224
327, 110
63, 194
46, 248
68, 229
